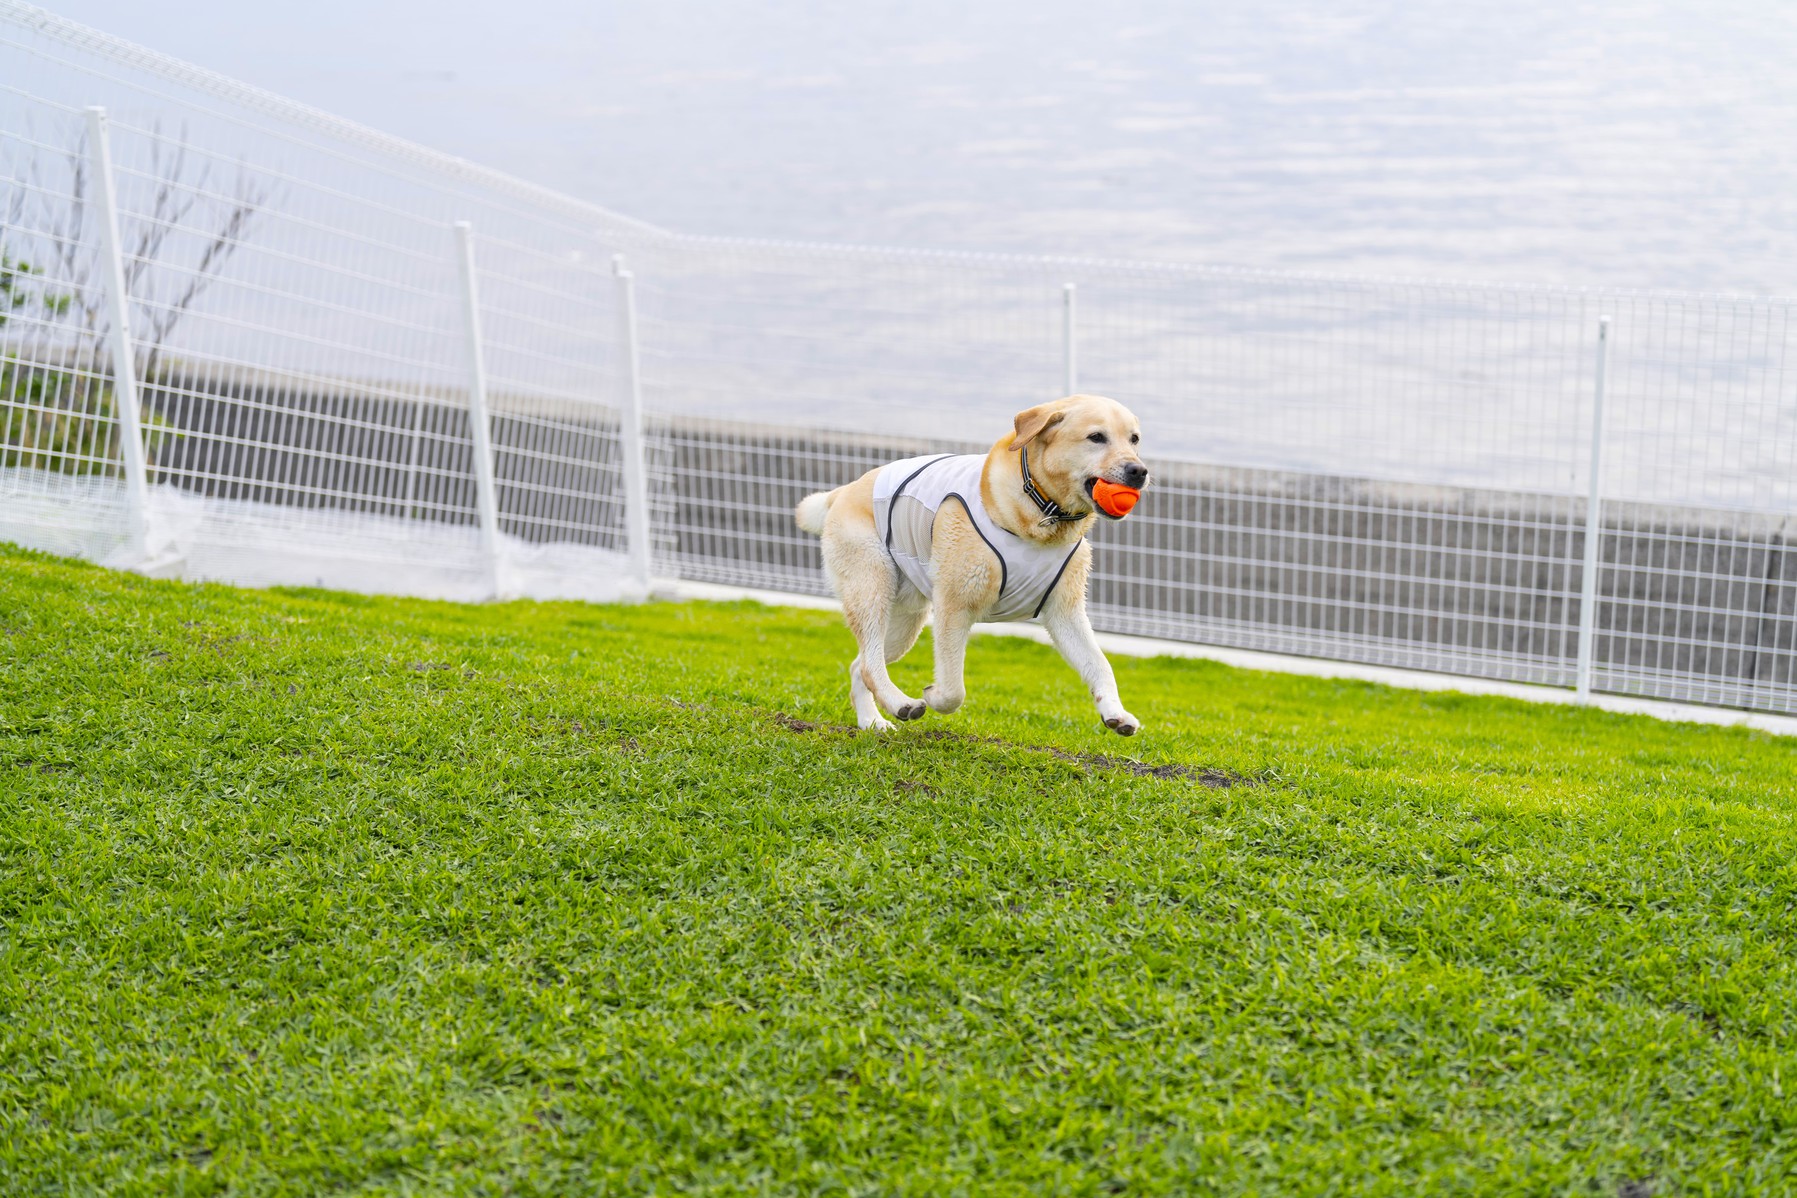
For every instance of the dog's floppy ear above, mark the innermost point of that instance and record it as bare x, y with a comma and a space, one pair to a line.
1033, 422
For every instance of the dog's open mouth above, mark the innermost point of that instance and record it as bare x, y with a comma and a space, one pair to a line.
1111, 500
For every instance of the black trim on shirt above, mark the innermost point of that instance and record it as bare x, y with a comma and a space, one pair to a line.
1056, 578
1004, 574
893, 498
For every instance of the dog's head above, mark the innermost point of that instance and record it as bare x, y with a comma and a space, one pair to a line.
1076, 441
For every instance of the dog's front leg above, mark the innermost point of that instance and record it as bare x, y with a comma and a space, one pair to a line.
1072, 634
953, 624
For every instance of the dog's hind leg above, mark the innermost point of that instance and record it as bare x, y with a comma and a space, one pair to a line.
903, 623
904, 620
884, 634
867, 583
867, 712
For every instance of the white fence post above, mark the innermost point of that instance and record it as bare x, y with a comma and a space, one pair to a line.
636, 477
124, 367
1069, 333
1594, 522
486, 499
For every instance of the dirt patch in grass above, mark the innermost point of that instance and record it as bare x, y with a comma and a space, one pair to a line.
1203, 775
47, 767
794, 724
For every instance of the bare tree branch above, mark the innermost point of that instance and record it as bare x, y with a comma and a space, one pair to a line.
223, 244
162, 287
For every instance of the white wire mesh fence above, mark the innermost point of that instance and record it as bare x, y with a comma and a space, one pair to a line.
298, 333
1395, 472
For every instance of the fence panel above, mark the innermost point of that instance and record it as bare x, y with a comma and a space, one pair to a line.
298, 331
60, 459
1699, 578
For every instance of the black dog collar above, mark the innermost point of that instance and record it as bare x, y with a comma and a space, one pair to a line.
1052, 512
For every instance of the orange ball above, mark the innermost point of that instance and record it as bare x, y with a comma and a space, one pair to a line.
1115, 500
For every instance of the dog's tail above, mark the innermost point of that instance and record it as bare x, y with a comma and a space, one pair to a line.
812, 511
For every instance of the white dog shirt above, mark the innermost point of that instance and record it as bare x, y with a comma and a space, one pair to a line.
907, 495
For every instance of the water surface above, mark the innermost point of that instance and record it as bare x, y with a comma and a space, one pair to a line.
1613, 142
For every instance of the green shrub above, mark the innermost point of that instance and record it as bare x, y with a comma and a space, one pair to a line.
55, 419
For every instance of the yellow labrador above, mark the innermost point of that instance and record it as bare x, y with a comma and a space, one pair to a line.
999, 536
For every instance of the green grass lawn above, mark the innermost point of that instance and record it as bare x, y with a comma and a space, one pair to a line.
310, 893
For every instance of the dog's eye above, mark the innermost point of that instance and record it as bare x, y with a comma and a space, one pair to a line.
1098, 438
1135, 438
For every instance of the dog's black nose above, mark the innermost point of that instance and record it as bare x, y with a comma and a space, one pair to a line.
1134, 474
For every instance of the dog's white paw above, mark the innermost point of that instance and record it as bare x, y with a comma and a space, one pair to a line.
1123, 724
937, 701
910, 709
878, 724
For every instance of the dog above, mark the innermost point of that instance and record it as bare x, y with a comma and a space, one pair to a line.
964, 538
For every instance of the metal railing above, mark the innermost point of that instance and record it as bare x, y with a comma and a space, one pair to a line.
247, 340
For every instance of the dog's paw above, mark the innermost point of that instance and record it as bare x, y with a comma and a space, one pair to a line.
1123, 724
912, 710
878, 724
937, 701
